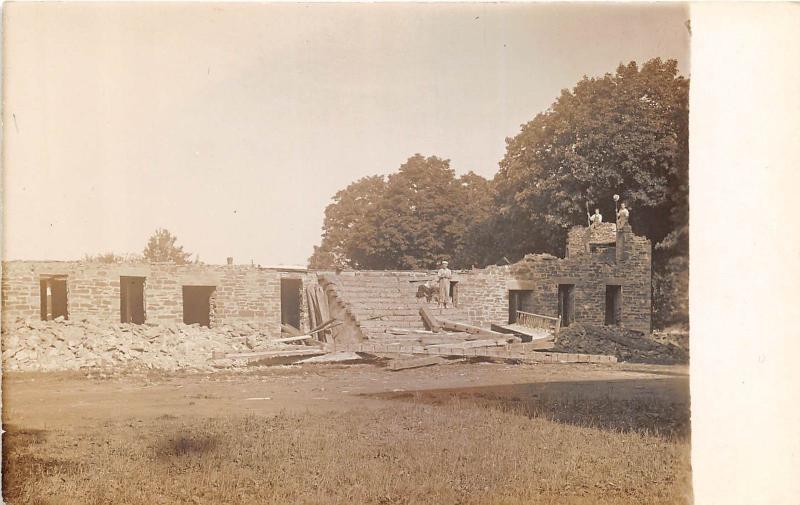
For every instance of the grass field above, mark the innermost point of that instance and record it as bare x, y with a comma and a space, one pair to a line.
413, 452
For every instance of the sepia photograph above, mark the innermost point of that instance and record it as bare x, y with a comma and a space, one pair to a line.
287, 253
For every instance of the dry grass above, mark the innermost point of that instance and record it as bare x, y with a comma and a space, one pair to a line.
456, 453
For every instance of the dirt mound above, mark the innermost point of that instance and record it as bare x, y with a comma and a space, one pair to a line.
72, 345
626, 345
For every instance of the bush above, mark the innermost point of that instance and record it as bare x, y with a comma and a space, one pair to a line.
671, 293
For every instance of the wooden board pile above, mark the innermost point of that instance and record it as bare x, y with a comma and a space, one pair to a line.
450, 339
444, 341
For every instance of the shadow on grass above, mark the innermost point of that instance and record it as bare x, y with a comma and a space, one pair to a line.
185, 445
654, 406
22, 468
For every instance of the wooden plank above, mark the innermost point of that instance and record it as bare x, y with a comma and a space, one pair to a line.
532, 334
468, 328
430, 320
471, 344
403, 364
550, 318
535, 345
454, 340
511, 351
291, 330
273, 354
297, 338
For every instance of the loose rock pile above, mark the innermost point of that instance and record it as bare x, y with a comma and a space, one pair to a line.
71, 345
626, 345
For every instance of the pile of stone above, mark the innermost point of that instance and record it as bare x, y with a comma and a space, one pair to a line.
627, 345
677, 336
78, 344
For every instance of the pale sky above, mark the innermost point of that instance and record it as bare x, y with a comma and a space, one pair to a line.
233, 125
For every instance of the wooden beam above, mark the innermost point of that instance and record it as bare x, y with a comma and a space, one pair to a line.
291, 330
297, 338
468, 328
472, 344
403, 364
429, 319
450, 339
502, 352
290, 353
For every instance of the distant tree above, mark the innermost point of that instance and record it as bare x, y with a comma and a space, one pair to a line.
418, 221
473, 195
323, 259
413, 219
161, 247
108, 257
111, 257
349, 225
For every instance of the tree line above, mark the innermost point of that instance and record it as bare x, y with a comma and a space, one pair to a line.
624, 133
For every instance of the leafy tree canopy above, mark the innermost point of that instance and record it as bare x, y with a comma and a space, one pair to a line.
161, 247
624, 133
414, 218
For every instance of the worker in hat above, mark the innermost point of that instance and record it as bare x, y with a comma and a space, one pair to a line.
444, 275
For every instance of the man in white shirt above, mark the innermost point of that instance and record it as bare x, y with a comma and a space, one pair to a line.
622, 217
443, 275
595, 219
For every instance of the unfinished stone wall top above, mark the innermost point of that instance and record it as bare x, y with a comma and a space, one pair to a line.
484, 293
240, 292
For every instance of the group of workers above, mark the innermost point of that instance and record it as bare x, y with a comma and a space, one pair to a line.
623, 214
444, 274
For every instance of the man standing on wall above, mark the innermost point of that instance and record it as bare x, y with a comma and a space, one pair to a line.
444, 275
622, 217
595, 219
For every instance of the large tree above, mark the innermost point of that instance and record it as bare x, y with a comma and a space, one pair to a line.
162, 247
349, 226
413, 219
624, 133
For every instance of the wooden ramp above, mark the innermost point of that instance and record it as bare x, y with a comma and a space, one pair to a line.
532, 327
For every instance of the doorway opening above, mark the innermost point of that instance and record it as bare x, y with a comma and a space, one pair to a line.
53, 297
613, 305
519, 300
453, 293
566, 304
197, 303
291, 301
131, 300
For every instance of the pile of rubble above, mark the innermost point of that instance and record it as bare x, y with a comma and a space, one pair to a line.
626, 345
677, 336
75, 344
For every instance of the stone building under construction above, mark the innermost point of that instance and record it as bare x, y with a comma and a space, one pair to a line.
604, 279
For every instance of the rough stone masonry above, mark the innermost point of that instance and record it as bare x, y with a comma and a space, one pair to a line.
603, 280
165, 293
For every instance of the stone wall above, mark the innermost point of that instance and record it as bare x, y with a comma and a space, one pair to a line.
242, 293
484, 294
252, 294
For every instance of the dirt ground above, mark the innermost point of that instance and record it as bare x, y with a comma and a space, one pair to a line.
62, 427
